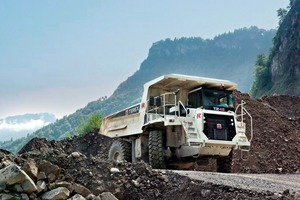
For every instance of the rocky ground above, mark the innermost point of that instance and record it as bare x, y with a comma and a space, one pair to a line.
81, 162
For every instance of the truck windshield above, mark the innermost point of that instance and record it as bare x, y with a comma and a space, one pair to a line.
217, 98
211, 99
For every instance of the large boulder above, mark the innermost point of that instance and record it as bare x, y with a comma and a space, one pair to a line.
12, 174
60, 193
77, 197
30, 168
13, 196
28, 185
41, 186
51, 171
107, 196
77, 188
13, 177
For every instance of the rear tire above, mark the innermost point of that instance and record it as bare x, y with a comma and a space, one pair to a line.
156, 150
120, 151
224, 164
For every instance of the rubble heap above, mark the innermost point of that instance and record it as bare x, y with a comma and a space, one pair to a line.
275, 147
77, 176
42, 180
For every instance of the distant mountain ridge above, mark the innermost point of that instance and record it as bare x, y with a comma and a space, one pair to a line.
46, 117
228, 56
18, 126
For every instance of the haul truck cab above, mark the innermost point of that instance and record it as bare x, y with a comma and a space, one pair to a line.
180, 119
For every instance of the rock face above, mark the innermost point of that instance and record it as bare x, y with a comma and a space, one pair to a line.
285, 63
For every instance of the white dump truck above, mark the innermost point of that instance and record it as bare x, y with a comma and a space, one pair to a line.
181, 119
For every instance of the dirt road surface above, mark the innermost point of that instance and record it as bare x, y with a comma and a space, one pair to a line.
276, 183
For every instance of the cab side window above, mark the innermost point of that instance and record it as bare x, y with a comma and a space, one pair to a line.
195, 99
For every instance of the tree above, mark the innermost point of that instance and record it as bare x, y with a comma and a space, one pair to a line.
281, 14
262, 81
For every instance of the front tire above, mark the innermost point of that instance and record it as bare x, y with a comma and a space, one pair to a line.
156, 150
120, 151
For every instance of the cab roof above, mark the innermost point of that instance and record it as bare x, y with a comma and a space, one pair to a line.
178, 81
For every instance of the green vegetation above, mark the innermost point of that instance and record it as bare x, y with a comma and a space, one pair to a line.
282, 54
93, 122
261, 83
228, 56
281, 13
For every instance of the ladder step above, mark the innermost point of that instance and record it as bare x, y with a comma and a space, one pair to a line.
193, 135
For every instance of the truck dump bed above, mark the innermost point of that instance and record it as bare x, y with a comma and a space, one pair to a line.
122, 123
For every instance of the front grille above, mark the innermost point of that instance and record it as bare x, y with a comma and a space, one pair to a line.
219, 127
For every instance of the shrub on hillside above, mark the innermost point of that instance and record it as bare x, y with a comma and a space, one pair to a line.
86, 126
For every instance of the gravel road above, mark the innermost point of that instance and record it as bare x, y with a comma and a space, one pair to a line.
276, 183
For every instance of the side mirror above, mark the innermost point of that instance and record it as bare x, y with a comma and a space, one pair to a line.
155, 101
158, 101
151, 101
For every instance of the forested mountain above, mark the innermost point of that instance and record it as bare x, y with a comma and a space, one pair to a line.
227, 56
279, 72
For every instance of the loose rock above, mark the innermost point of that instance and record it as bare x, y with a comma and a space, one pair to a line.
60, 193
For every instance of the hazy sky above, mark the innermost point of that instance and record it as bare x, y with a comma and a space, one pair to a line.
56, 56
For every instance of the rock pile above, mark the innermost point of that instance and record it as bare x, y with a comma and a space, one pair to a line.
55, 169
41, 181
275, 147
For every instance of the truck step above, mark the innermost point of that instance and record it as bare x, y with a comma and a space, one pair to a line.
191, 129
193, 135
